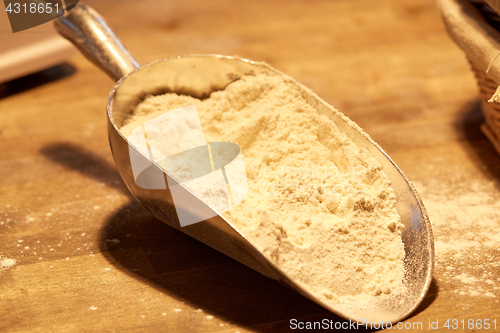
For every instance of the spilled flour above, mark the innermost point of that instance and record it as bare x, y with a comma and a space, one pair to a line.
318, 206
7, 262
466, 226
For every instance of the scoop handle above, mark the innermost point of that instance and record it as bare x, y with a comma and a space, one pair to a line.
89, 32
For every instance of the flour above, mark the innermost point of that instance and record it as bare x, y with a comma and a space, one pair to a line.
7, 262
318, 206
466, 225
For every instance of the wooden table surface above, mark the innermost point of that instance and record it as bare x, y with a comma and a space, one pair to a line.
88, 257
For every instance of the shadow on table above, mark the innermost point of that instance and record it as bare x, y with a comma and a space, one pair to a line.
35, 80
89, 164
477, 146
192, 272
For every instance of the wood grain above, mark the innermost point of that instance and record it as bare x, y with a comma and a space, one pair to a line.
90, 258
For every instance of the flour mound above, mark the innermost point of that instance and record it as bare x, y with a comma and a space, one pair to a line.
318, 206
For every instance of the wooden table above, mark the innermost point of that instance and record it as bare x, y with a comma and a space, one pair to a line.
90, 258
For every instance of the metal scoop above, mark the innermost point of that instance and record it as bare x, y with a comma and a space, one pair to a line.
198, 76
